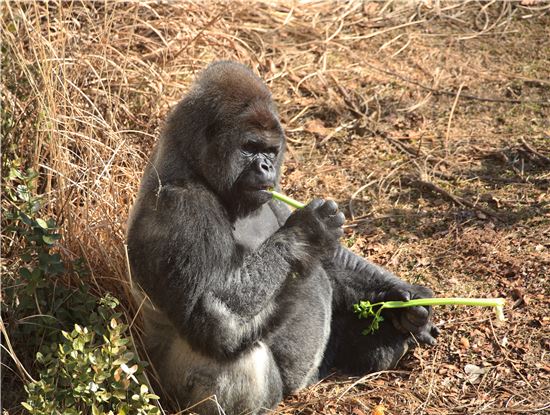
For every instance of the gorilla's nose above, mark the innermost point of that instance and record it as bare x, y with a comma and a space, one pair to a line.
266, 167
265, 171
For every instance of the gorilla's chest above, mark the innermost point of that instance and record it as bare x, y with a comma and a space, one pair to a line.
250, 232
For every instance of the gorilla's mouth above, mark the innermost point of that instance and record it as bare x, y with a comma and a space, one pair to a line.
263, 188
260, 193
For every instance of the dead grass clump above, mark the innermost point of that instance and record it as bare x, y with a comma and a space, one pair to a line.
427, 120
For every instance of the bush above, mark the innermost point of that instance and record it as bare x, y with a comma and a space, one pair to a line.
84, 358
93, 370
47, 293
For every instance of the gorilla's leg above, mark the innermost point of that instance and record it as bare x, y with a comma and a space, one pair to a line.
299, 342
249, 384
353, 353
353, 279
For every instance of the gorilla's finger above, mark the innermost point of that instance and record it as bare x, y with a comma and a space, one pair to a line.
397, 294
419, 291
396, 321
407, 325
330, 207
314, 204
435, 331
336, 220
417, 315
425, 338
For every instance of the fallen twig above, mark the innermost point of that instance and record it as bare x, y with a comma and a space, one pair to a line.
454, 93
456, 199
544, 160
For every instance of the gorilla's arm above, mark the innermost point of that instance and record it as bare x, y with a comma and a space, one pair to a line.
187, 262
219, 296
355, 278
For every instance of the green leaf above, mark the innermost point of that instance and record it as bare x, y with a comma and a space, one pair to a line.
56, 269
42, 223
55, 258
152, 396
23, 193
25, 273
44, 258
125, 358
36, 274
26, 220
120, 394
27, 406
50, 239
15, 173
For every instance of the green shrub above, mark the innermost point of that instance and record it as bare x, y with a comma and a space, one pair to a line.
85, 362
93, 370
45, 293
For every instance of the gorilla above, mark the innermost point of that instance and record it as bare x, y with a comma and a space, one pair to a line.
245, 302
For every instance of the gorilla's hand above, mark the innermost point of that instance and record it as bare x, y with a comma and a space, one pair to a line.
320, 224
415, 320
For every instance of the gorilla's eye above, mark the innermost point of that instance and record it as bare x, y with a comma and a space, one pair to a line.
272, 151
252, 147
249, 147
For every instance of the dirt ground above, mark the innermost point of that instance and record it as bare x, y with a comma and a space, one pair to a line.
428, 122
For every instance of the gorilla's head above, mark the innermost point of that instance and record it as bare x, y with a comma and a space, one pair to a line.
227, 132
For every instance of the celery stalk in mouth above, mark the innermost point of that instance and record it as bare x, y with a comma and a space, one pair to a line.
289, 201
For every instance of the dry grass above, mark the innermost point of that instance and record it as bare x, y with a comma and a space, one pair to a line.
428, 121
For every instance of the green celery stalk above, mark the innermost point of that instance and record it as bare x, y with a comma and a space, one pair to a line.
364, 309
289, 201
479, 302
498, 303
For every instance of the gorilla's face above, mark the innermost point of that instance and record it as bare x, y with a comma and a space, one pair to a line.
257, 154
248, 155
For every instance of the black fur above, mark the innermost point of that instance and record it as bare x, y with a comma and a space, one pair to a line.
248, 301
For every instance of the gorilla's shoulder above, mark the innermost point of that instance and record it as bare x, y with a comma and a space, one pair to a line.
187, 205
186, 193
